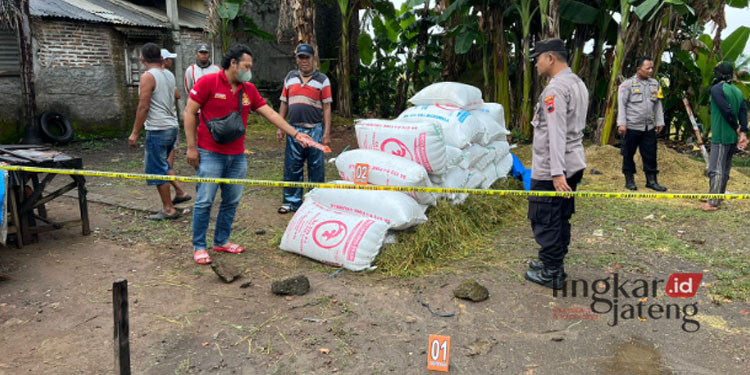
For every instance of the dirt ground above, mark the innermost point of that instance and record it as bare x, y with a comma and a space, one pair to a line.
56, 309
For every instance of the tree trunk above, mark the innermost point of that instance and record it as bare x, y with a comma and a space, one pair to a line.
526, 104
31, 132
448, 55
553, 20
598, 52
344, 95
609, 115
422, 40
304, 25
354, 59
500, 62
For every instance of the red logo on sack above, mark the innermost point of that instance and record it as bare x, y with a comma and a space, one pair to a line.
683, 285
329, 234
396, 147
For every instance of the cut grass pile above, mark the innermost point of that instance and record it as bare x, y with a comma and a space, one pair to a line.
452, 233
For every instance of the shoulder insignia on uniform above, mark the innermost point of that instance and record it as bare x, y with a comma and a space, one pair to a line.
549, 102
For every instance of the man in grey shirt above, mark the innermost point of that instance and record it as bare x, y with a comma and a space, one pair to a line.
156, 111
558, 159
639, 117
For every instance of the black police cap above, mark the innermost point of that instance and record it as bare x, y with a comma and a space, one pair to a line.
549, 45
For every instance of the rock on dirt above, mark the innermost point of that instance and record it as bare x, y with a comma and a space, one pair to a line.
226, 272
471, 290
295, 286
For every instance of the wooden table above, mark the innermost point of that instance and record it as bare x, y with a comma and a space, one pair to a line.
26, 191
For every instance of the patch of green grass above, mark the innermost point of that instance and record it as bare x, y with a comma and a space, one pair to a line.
452, 233
650, 229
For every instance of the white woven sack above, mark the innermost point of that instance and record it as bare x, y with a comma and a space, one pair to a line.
334, 237
491, 129
420, 142
496, 171
396, 209
386, 170
472, 155
499, 149
459, 127
450, 93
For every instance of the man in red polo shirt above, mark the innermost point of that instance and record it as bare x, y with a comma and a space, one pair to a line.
217, 95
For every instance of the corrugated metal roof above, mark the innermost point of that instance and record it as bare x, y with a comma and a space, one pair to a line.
60, 8
118, 12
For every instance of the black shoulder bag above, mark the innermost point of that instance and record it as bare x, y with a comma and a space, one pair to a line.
229, 128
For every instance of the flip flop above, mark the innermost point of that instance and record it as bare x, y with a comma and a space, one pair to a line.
178, 200
161, 215
201, 257
231, 248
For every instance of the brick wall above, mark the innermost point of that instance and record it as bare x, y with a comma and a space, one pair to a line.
68, 44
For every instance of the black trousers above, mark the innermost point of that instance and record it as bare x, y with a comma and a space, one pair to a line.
550, 220
645, 141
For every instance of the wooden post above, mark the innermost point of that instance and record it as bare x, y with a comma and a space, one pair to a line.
179, 71
32, 134
122, 326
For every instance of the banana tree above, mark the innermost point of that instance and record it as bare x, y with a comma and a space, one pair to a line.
609, 116
549, 13
299, 15
526, 11
344, 95
227, 11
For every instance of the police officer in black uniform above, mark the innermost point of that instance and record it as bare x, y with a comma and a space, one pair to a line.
558, 159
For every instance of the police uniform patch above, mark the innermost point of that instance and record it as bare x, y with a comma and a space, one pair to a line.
549, 102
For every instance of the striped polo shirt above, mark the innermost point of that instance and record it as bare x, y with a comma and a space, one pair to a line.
306, 100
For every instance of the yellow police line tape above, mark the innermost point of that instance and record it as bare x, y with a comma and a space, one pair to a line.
408, 189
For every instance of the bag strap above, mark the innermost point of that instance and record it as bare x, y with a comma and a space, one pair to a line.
239, 99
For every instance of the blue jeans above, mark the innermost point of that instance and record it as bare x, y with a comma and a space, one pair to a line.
159, 143
294, 164
217, 165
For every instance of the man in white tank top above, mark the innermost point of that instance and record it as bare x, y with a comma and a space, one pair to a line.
157, 113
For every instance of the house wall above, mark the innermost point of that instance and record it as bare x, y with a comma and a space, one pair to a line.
79, 73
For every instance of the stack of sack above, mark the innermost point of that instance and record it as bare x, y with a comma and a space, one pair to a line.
477, 151
450, 138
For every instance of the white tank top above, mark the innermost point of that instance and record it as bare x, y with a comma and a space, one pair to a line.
161, 114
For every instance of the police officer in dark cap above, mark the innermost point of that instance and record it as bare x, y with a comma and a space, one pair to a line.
558, 159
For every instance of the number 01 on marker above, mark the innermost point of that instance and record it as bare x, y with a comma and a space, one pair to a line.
439, 353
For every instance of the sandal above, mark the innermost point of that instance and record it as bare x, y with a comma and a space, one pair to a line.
230, 248
178, 200
161, 215
284, 209
201, 257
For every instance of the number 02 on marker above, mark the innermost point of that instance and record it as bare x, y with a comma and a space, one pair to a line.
361, 174
439, 353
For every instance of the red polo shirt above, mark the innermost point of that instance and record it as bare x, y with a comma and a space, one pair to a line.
214, 94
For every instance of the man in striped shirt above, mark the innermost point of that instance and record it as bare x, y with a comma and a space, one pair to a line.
306, 98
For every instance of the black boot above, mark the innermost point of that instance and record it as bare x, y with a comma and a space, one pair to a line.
538, 266
630, 182
651, 182
548, 276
